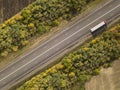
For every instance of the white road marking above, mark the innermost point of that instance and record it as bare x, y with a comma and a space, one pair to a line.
56, 35
59, 43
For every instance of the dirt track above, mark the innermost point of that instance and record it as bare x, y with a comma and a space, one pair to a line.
109, 79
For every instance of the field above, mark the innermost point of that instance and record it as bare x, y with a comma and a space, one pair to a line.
109, 79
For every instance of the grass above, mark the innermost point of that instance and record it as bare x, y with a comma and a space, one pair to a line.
36, 40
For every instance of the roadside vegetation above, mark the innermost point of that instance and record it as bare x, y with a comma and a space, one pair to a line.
78, 67
37, 19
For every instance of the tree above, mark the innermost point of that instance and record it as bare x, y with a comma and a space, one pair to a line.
4, 54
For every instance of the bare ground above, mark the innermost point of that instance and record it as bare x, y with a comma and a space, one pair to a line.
109, 79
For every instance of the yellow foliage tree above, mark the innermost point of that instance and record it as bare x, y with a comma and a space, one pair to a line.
63, 83
19, 17
72, 74
14, 48
31, 25
59, 66
4, 54
86, 49
24, 42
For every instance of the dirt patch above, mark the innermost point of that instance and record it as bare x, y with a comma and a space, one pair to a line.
109, 79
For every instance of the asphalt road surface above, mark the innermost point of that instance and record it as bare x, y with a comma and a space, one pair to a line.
55, 45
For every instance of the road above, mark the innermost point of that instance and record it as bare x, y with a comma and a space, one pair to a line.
55, 45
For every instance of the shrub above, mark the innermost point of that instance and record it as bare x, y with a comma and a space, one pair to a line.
96, 72
4, 54
55, 23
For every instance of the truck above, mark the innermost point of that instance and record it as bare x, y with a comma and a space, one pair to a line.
98, 28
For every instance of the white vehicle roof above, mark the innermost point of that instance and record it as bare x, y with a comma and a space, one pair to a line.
97, 26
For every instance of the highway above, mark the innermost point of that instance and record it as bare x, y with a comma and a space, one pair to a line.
55, 45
